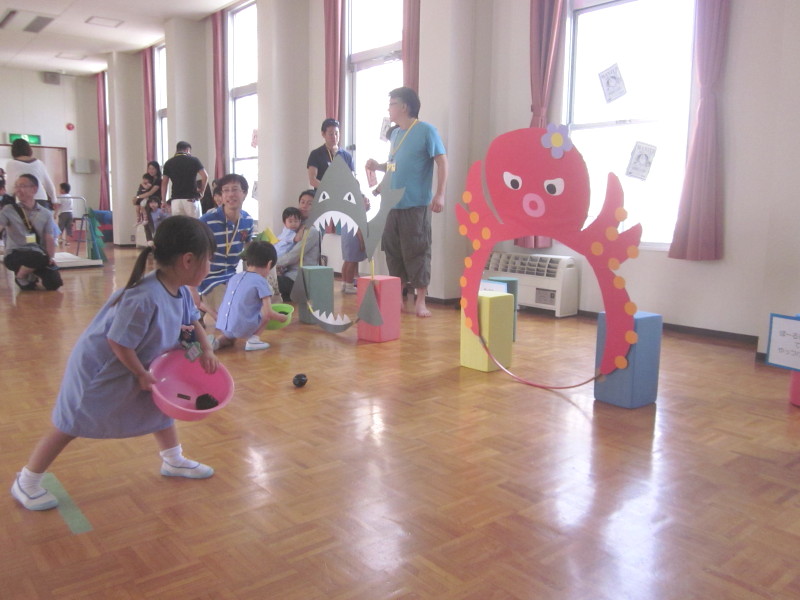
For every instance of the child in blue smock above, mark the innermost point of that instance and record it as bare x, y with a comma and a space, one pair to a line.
247, 308
105, 392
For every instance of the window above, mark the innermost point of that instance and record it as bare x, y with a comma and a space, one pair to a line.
376, 68
243, 107
630, 82
160, 89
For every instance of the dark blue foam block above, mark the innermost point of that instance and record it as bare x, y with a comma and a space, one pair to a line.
637, 385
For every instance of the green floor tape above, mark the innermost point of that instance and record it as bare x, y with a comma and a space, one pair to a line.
71, 514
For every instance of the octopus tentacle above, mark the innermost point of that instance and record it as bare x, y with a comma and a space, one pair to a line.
605, 248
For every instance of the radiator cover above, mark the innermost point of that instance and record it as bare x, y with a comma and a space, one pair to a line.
545, 281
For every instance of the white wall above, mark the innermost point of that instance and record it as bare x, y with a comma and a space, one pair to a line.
31, 106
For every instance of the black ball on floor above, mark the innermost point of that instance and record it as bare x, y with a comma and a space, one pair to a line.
300, 380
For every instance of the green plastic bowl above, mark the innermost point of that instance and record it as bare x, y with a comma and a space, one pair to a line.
284, 309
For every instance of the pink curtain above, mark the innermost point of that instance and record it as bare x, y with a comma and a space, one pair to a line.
411, 44
104, 202
149, 104
547, 18
333, 57
698, 231
219, 91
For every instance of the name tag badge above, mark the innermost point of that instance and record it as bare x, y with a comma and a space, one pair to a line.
30, 238
390, 167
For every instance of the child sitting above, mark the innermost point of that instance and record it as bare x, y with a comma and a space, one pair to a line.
140, 201
246, 308
153, 216
217, 196
292, 218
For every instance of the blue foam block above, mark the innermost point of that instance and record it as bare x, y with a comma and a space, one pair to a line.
637, 385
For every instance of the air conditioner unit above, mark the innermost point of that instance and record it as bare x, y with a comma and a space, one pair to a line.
545, 281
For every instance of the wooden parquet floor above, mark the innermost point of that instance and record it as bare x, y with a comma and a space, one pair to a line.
397, 474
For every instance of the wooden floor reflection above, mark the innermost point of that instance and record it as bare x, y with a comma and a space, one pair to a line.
397, 474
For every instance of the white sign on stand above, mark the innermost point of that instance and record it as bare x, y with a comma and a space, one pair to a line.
783, 348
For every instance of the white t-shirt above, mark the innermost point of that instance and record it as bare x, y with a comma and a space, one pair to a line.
15, 168
64, 204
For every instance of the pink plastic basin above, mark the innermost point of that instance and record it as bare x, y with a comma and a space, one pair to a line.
180, 381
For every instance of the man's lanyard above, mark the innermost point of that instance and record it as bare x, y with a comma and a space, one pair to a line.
229, 240
390, 165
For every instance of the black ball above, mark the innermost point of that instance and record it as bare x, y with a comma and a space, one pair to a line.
300, 380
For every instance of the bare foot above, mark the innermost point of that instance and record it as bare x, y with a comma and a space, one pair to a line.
422, 310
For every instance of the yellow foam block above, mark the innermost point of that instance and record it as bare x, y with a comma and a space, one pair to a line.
496, 314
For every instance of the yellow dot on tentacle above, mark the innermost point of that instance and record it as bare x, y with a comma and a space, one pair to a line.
620, 214
613, 264
597, 248
463, 302
556, 140
630, 308
486, 233
474, 217
463, 281
476, 244
633, 251
462, 229
621, 362
619, 282
468, 323
611, 233
468, 262
631, 337
466, 197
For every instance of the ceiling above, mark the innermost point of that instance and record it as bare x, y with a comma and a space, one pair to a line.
74, 36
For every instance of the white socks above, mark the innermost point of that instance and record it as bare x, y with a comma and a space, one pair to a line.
30, 482
175, 464
174, 457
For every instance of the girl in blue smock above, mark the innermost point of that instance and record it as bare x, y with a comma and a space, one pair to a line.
105, 392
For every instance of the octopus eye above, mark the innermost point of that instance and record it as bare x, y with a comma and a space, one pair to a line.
348, 197
512, 181
554, 187
324, 196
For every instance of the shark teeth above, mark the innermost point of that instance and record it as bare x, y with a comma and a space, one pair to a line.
331, 318
337, 219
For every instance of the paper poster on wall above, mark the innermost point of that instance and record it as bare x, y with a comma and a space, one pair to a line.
783, 346
641, 161
613, 85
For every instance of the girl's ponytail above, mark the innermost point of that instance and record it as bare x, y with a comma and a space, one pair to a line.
174, 237
138, 271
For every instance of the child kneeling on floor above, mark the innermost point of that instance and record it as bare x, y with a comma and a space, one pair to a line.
246, 308
106, 390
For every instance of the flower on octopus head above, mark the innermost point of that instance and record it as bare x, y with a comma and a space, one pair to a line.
557, 139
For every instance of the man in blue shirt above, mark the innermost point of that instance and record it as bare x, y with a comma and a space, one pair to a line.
415, 148
232, 228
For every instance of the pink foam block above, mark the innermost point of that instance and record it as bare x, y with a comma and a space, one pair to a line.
387, 289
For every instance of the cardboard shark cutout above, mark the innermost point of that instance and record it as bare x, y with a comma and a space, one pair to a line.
339, 202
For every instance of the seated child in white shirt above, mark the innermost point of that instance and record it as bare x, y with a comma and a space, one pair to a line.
246, 308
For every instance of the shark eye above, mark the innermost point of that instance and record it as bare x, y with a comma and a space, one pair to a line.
324, 196
512, 181
348, 197
554, 187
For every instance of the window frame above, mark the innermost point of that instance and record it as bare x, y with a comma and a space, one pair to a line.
570, 44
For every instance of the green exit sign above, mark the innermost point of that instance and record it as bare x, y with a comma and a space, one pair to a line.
36, 140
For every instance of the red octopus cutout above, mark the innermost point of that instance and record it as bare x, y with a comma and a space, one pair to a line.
538, 184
